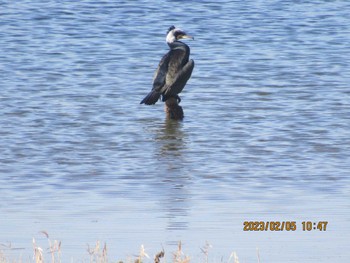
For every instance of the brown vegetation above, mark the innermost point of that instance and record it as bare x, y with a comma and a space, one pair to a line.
98, 254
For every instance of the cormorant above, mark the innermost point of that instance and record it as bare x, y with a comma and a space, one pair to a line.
173, 70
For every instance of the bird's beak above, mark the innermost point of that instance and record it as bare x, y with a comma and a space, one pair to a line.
186, 36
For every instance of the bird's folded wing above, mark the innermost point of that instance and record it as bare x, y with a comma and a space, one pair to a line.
160, 74
177, 83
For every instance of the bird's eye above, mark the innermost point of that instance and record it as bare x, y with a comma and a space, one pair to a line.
178, 34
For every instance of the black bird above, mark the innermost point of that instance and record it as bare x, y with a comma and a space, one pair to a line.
173, 70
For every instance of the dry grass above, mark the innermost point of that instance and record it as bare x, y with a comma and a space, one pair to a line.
233, 257
98, 254
54, 249
179, 256
205, 251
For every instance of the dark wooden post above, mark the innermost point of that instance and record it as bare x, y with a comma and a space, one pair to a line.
173, 110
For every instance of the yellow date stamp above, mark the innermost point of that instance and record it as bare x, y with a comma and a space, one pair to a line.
284, 225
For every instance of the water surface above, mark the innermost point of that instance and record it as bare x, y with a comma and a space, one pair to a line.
266, 132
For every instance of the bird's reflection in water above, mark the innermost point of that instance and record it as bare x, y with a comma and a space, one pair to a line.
176, 182
171, 140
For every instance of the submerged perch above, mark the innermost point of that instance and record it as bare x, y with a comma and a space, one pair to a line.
173, 110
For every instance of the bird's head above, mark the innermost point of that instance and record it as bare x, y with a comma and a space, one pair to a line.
175, 34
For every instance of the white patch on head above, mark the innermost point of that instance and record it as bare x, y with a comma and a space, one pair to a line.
170, 38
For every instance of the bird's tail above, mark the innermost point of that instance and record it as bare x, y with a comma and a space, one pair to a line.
151, 98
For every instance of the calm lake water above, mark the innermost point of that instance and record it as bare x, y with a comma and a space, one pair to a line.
266, 134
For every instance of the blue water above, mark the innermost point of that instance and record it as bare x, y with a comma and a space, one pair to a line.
266, 134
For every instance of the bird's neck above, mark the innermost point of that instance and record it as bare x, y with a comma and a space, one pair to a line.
177, 45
